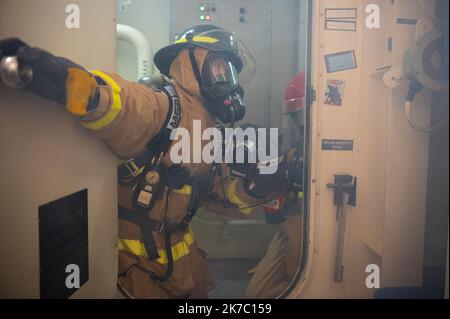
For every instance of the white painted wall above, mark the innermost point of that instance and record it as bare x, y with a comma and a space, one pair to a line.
46, 155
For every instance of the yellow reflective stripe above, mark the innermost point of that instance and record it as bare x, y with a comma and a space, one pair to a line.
186, 190
199, 39
232, 196
132, 246
115, 108
179, 250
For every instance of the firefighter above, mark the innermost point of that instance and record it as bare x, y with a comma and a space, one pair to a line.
158, 256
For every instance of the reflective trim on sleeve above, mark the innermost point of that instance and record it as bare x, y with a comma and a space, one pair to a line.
179, 250
232, 196
114, 109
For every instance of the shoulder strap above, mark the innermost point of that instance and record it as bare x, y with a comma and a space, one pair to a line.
159, 144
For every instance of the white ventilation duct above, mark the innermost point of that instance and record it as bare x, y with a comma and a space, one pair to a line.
144, 53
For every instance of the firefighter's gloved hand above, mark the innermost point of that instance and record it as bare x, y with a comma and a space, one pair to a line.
10, 46
54, 78
262, 185
275, 219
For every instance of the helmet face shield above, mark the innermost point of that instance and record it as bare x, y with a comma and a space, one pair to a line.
220, 76
224, 41
248, 70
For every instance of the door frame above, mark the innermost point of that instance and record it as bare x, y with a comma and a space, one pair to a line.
306, 257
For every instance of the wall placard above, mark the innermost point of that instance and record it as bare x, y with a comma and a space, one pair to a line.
340, 25
337, 145
340, 61
341, 13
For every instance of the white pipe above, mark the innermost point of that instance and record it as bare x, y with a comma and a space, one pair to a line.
144, 53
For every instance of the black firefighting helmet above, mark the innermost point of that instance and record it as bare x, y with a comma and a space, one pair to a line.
210, 37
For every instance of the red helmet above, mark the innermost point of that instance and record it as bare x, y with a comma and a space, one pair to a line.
295, 93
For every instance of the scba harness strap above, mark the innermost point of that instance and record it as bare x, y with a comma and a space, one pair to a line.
199, 186
175, 177
139, 168
158, 145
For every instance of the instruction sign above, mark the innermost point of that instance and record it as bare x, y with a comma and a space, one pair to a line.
341, 13
337, 145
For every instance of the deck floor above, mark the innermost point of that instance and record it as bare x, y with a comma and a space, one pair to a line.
231, 277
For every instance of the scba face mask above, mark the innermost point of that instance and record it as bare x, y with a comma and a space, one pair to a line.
220, 88
219, 75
